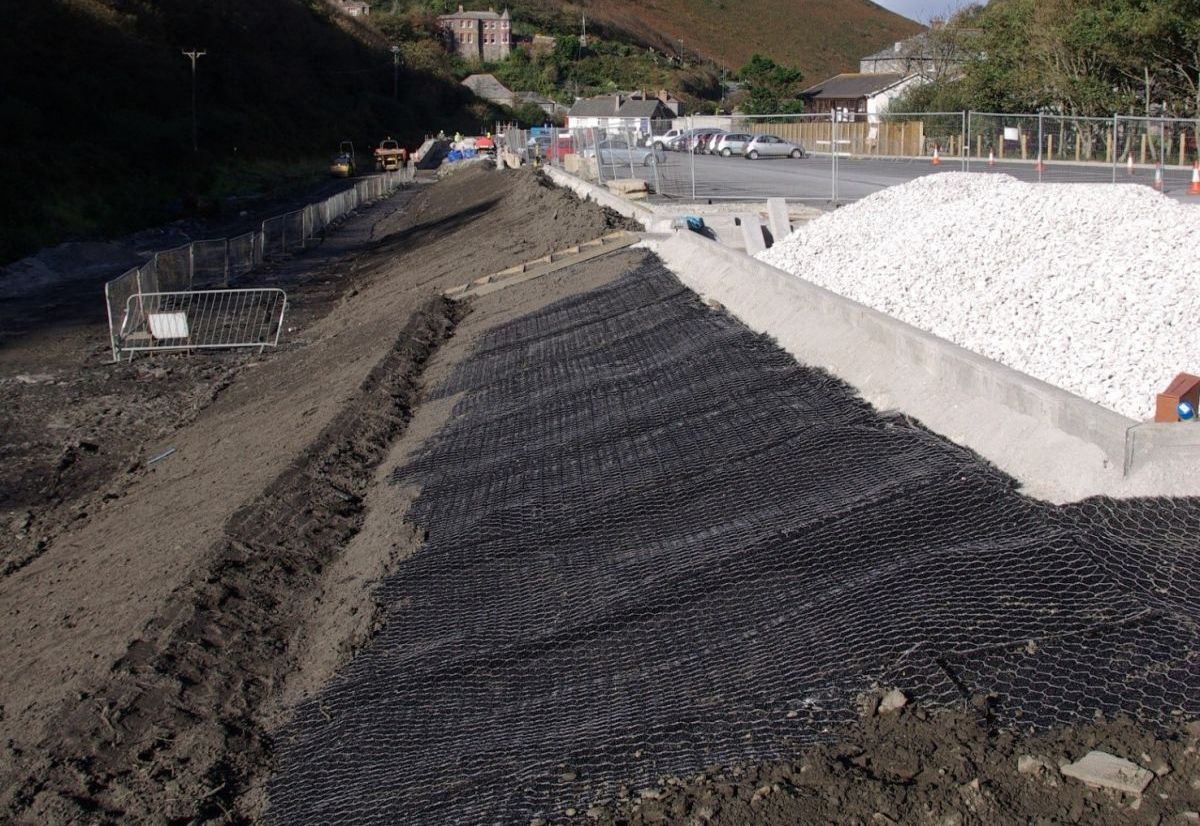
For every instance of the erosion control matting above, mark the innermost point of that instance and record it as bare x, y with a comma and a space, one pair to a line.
656, 543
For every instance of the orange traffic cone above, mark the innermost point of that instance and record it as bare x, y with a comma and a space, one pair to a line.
1194, 189
1129, 164
1158, 181
991, 158
937, 158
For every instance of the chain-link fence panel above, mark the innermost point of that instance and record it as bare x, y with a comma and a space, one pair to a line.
210, 263
753, 157
293, 231
1075, 149
173, 269
242, 254
1159, 152
272, 235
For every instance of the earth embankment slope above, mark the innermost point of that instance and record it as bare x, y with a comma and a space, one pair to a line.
140, 644
656, 544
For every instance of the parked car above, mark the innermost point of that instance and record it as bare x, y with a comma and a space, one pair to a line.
708, 142
550, 148
662, 141
733, 143
693, 140
618, 151
770, 146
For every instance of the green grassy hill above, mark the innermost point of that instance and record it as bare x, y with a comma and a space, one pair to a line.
97, 116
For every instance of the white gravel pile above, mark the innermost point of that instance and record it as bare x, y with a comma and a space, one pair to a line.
1090, 287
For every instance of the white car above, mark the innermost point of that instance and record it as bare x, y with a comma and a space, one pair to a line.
770, 146
665, 140
732, 144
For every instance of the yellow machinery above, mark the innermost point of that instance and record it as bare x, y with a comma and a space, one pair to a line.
390, 155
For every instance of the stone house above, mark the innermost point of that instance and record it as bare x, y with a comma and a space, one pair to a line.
478, 36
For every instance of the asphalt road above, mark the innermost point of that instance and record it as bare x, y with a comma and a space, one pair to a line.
812, 179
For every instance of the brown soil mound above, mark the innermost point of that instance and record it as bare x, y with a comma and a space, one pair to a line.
949, 768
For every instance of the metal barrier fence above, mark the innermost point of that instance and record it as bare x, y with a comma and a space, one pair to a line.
218, 262
202, 319
843, 156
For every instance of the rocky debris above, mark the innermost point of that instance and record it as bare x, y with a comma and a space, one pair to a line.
942, 768
894, 700
1035, 276
1107, 771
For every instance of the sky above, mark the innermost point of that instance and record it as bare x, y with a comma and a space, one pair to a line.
922, 10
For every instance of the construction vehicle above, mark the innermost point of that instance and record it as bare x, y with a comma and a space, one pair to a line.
344, 165
390, 156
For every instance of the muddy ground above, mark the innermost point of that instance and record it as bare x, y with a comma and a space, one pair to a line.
160, 620
934, 768
150, 610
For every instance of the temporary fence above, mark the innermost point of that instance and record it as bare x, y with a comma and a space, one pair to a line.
219, 262
845, 156
202, 319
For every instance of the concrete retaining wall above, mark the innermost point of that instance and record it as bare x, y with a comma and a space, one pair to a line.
1059, 446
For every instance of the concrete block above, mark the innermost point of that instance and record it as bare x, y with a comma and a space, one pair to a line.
1098, 768
752, 235
626, 186
779, 221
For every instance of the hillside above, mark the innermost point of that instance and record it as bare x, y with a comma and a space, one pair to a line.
98, 128
821, 37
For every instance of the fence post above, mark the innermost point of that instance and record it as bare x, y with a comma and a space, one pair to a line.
630, 142
112, 334
964, 144
833, 156
1112, 147
191, 265
1040, 145
691, 152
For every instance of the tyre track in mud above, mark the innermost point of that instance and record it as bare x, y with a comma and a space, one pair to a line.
176, 735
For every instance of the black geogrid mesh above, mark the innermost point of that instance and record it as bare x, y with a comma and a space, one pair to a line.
656, 543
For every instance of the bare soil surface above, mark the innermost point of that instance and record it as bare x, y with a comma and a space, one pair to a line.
944, 768
153, 612
160, 620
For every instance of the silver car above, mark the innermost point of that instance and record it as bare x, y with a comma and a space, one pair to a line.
770, 146
618, 151
732, 144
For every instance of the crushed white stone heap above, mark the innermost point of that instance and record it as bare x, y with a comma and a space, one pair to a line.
1094, 288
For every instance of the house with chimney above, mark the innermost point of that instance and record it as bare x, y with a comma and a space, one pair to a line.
477, 36
634, 111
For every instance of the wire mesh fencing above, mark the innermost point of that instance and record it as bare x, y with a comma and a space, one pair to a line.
656, 543
844, 156
203, 319
218, 262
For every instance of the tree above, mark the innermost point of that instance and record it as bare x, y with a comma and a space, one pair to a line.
770, 87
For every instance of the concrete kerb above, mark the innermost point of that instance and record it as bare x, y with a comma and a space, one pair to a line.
1059, 446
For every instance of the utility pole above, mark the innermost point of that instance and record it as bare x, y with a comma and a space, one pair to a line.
395, 72
194, 55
